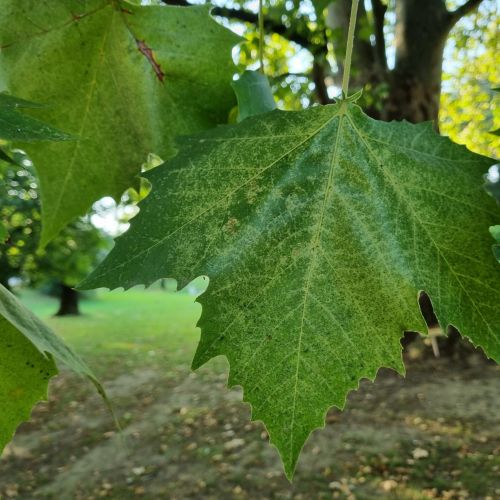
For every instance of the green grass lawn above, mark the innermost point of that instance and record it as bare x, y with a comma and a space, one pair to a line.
119, 330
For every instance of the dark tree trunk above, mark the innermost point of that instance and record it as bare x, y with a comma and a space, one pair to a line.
422, 27
69, 301
414, 85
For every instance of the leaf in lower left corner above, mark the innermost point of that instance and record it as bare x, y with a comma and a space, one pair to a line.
24, 375
28, 349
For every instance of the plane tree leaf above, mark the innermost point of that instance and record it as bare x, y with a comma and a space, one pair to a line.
123, 79
28, 349
318, 230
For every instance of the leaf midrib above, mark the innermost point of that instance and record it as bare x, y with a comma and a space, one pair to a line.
314, 245
78, 142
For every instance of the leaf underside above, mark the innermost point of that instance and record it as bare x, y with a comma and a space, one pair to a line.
318, 229
117, 77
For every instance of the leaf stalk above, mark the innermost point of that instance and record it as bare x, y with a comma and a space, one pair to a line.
261, 37
350, 43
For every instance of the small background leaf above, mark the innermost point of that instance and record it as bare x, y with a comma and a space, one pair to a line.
254, 94
495, 232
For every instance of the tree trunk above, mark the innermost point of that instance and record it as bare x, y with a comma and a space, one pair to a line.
414, 84
422, 27
69, 302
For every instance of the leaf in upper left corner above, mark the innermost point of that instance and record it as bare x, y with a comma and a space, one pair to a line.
124, 79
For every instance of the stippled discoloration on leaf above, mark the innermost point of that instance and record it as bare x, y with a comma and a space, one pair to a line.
317, 229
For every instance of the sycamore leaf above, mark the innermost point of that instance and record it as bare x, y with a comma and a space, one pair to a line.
254, 94
317, 229
123, 79
15, 126
27, 352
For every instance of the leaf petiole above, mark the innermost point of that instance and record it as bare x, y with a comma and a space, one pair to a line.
348, 53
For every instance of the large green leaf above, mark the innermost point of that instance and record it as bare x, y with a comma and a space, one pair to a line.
317, 229
123, 79
27, 352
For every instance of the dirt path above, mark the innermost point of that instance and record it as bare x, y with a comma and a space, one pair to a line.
432, 435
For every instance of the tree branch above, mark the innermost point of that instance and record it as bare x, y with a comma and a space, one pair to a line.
270, 25
379, 10
463, 10
319, 51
